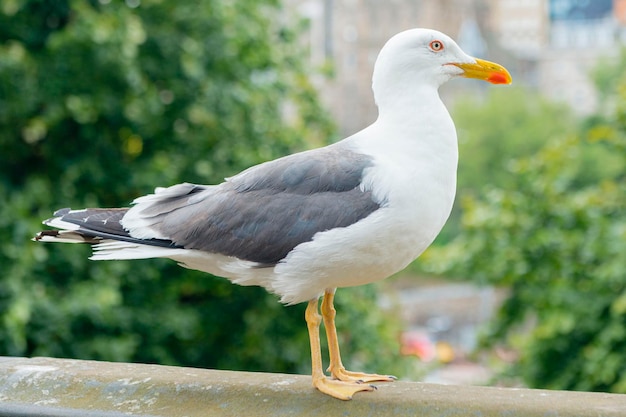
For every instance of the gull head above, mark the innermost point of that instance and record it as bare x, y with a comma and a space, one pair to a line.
423, 58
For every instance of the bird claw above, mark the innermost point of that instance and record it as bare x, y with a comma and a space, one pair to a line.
342, 374
341, 390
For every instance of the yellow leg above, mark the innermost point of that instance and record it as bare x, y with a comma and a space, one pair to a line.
338, 389
336, 368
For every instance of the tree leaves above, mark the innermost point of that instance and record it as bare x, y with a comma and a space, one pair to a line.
99, 103
555, 236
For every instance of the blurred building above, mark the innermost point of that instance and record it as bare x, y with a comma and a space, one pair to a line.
550, 45
558, 42
350, 33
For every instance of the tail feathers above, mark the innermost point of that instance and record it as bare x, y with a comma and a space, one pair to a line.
107, 249
64, 236
92, 226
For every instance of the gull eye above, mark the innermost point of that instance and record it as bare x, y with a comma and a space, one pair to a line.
436, 46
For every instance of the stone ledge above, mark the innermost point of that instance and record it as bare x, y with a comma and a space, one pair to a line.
65, 387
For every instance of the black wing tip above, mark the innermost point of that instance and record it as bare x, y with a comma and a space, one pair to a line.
50, 233
57, 214
62, 212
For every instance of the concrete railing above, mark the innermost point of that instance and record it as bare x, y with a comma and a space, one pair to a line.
63, 387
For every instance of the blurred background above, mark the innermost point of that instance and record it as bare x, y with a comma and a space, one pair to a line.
102, 100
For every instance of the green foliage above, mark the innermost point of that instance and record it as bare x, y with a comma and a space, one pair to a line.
556, 238
510, 123
99, 103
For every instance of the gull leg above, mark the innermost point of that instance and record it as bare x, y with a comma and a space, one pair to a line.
336, 368
338, 389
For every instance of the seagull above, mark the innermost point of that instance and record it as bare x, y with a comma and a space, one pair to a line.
301, 226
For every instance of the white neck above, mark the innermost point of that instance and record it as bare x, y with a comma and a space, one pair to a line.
415, 140
418, 117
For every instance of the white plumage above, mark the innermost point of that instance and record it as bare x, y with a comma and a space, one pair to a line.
356, 211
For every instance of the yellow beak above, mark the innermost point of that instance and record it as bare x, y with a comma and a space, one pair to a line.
485, 70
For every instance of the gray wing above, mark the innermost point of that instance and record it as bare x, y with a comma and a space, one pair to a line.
259, 215
263, 213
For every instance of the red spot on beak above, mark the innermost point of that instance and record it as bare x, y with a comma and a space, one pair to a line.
498, 78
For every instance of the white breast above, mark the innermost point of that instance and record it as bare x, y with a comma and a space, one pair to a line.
414, 176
